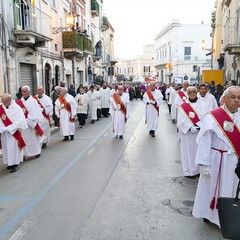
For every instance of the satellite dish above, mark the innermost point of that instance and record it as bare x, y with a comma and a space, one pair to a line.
185, 77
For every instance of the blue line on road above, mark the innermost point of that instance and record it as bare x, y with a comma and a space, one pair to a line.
12, 198
40, 195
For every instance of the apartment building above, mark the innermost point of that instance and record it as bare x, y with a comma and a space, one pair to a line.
179, 55
140, 67
44, 42
226, 37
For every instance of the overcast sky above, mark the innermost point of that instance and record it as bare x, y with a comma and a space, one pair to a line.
137, 22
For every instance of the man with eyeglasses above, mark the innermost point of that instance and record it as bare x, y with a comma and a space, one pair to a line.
217, 154
12, 121
153, 99
190, 114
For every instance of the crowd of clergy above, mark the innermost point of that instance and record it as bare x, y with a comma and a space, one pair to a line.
208, 128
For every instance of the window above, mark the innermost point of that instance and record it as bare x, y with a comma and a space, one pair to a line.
187, 53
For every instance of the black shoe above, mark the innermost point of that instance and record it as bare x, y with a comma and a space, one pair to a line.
44, 145
150, 132
71, 137
9, 167
66, 138
121, 136
38, 156
153, 134
14, 168
206, 220
92, 121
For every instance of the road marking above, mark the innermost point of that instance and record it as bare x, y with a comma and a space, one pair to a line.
5, 230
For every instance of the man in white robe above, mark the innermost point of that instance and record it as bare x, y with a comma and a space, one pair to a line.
93, 102
172, 97
66, 111
213, 145
120, 111
207, 97
189, 126
105, 99
12, 149
46, 106
182, 94
153, 99
32, 135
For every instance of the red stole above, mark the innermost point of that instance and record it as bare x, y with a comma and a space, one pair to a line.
151, 97
230, 130
190, 112
43, 113
17, 135
37, 128
118, 100
66, 105
182, 95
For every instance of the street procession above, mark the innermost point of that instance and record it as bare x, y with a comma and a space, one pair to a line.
100, 140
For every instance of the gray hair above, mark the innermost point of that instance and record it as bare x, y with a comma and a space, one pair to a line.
227, 91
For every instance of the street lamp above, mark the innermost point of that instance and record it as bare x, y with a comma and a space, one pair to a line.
70, 24
211, 51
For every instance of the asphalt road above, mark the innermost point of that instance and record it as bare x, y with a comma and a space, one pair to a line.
98, 187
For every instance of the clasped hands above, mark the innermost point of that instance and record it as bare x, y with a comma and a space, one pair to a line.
194, 129
151, 102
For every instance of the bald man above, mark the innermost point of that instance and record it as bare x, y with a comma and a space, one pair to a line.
66, 110
11, 124
190, 114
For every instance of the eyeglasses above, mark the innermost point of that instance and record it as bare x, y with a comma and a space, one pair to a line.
233, 98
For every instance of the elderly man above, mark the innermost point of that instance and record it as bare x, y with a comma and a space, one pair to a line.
66, 110
46, 106
182, 94
32, 135
190, 114
218, 152
153, 98
207, 97
120, 111
11, 124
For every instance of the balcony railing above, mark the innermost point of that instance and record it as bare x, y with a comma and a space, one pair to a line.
232, 36
76, 44
105, 23
29, 19
94, 8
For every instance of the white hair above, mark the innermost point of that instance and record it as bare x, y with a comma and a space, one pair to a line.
27, 87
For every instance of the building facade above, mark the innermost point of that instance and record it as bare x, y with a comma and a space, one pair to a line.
44, 42
226, 38
140, 67
179, 55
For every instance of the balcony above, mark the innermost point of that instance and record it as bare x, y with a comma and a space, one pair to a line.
94, 8
32, 27
76, 45
232, 36
105, 24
